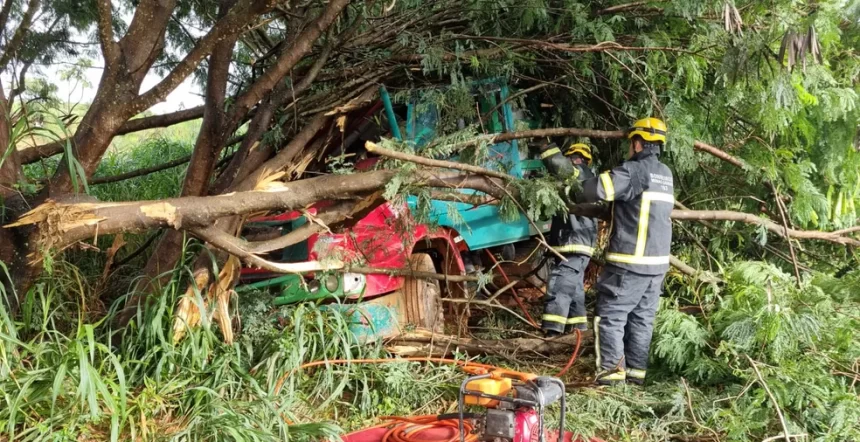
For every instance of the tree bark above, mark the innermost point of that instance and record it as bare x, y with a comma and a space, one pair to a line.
748, 218
70, 223
118, 89
21, 31
197, 179
64, 224
12, 246
10, 166
140, 172
301, 46
256, 129
210, 139
118, 97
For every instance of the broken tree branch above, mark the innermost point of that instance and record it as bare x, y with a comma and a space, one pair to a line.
153, 169
491, 304
621, 8
717, 152
782, 209
140, 172
412, 273
691, 271
331, 216
288, 60
424, 343
586, 133
235, 247
761, 381
73, 222
429, 162
605, 46
748, 218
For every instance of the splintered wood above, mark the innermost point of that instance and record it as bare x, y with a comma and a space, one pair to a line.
162, 211
188, 313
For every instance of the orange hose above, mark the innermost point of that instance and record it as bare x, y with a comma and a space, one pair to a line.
409, 429
574, 355
283, 378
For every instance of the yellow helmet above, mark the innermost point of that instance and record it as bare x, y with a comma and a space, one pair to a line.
650, 129
580, 148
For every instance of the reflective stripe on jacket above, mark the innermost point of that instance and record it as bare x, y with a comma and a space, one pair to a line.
570, 234
641, 192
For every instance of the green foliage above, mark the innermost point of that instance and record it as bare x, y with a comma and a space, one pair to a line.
801, 339
541, 197
153, 152
61, 378
797, 129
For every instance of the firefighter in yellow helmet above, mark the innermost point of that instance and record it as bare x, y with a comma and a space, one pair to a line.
573, 237
581, 149
641, 193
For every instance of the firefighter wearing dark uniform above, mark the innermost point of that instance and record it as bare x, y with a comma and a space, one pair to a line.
637, 258
574, 238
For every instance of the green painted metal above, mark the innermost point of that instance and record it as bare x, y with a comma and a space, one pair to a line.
389, 112
368, 322
531, 165
495, 122
299, 251
485, 227
266, 283
508, 113
295, 291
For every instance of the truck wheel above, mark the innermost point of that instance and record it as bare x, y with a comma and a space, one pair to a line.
421, 297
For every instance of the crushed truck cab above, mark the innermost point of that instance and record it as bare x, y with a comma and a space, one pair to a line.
381, 304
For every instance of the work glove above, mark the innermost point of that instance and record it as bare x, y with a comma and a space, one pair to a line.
571, 187
557, 164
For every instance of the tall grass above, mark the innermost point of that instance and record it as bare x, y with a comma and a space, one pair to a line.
153, 152
62, 380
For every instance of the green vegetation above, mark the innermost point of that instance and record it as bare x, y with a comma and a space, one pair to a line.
760, 341
60, 374
61, 380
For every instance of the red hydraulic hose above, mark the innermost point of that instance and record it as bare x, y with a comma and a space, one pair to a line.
409, 429
574, 355
513, 291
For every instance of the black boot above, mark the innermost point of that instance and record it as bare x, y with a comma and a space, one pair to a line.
551, 333
635, 376
635, 381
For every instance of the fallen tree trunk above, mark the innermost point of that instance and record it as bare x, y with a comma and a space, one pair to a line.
423, 343
64, 224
